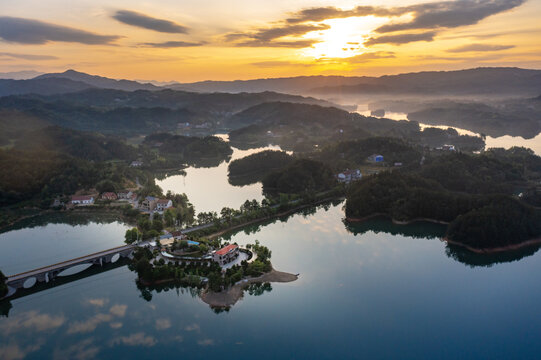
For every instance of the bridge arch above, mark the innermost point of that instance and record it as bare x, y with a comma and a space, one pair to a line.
30, 282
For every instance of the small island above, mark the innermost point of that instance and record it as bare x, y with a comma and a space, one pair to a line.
221, 271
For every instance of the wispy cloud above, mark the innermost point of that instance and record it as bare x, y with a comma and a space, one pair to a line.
450, 14
148, 22
172, 44
28, 31
369, 56
280, 63
27, 56
480, 47
267, 37
137, 339
401, 38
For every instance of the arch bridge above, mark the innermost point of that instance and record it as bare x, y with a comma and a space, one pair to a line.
50, 272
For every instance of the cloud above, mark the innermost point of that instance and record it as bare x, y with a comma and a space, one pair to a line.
279, 63
480, 47
89, 325
15, 352
98, 302
401, 38
31, 321
137, 339
193, 327
28, 56
163, 324
27, 31
266, 37
366, 57
205, 342
295, 44
118, 310
172, 44
82, 350
147, 22
330, 12
450, 14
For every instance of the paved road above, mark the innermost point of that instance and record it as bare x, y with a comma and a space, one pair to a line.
68, 262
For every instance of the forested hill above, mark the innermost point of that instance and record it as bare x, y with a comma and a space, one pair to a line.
301, 127
140, 112
471, 81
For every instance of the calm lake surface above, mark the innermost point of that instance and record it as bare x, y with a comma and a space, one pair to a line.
373, 290
208, 188
505, 142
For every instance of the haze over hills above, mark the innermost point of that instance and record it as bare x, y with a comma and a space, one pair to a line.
462, 82
20, 75
66, 82
100, 81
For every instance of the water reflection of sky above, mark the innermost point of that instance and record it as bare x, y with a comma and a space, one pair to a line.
208, 188
505, 142
377, 294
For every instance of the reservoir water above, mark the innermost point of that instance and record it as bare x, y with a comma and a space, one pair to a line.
373, 290
208, 188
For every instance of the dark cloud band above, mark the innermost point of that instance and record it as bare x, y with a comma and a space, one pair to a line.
147, 22
26, 31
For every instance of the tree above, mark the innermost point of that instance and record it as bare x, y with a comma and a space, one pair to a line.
3, 286
131, 236
169, 218
157, 225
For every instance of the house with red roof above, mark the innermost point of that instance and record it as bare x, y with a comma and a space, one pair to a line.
108, 196
226, 254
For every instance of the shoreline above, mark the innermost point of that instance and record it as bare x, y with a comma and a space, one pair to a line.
394, 221
232, 295
277, 215
495, 250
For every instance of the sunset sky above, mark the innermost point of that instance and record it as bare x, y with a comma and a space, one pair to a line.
225, 40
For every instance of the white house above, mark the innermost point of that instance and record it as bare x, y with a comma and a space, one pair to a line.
163, 204
124, 194
349, 176
82, 200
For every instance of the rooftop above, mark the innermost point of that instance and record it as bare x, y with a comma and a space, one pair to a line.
226, 249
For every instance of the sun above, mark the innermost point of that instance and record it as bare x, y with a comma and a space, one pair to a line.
344, 38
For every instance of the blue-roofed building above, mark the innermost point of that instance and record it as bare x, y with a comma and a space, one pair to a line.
375, 158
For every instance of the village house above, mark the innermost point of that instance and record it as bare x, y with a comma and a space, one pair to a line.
82, 200
349, 176
124, 194
148, 203
178, 235
375, 158
136, 163
226, 254
163, 204
108, 196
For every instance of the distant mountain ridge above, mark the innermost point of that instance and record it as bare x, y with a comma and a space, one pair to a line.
469, 81
100, 81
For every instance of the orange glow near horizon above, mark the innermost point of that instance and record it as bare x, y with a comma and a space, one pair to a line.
141, 53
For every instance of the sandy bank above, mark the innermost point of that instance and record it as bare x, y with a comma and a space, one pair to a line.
233, 294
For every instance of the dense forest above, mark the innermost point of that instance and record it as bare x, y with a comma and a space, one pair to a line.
301, 176
205, 151
463, 190
39, 176
83, 145
303, 128
255, 167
